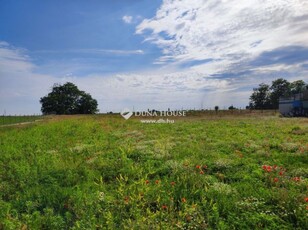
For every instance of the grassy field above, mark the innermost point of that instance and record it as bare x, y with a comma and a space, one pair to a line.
102, 172
8, 120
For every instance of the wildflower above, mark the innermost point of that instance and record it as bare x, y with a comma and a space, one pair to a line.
296, 179
183, 200
205, 166
172, 183
276, 179
157, 182
147, 182
267, 168
264, 167
306, 199
164, 207
201, 172
198, 166
280, 173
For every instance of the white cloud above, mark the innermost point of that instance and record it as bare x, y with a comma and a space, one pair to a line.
122, 52
157, 90
127, 19
94, 51
231, 30
12, 58
21, 86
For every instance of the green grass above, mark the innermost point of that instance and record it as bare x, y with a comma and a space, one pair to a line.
8, 120
102, 172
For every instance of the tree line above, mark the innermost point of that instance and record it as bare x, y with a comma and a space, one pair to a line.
68, 99
267, 96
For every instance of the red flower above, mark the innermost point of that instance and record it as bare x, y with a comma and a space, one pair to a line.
164, 207
157, 182
198, 166
172, 183
306, 199
264, 167
268, 168
276, 179
280, 173
296, 179
184, 200
205, 166
201, 172
147, 182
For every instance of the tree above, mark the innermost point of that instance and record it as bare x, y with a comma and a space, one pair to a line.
260, 98
216, 108
267, 97
279, 88
297, 86
68, 99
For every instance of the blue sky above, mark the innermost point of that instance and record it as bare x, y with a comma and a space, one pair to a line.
76, 32
149, 54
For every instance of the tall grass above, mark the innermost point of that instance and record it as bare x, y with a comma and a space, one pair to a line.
101, 172
8, 120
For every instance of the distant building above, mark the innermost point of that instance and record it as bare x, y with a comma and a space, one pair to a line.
296, 105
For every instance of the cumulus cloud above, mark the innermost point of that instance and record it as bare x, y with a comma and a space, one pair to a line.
239, 41
127, 19
231, 31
